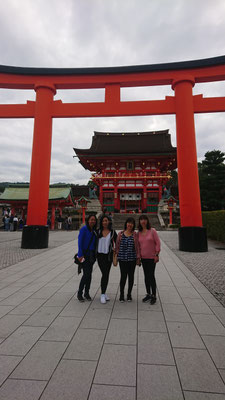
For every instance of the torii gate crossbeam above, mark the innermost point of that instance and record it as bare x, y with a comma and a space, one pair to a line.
182, 76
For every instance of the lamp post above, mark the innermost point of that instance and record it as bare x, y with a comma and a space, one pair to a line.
171, 202
83, 203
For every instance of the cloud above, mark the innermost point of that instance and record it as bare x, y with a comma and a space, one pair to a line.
77, 33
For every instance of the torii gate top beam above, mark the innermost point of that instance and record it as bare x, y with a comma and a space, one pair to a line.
205, 70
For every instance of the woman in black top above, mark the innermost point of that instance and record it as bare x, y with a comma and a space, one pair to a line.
106, 242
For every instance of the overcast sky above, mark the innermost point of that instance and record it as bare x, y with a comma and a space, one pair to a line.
90, 33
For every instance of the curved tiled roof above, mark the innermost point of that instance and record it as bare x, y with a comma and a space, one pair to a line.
118, 143
15, 193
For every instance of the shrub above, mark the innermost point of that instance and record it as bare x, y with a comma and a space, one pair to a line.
214, 221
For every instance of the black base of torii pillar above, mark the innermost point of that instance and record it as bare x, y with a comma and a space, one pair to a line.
35, 237
193, 239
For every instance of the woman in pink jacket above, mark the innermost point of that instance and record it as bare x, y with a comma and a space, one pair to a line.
150, 247
128, 253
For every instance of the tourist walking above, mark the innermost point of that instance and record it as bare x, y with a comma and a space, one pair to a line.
106, 243
128, 252
150, 248
86, 255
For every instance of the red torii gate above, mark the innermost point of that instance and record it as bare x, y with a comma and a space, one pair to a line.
182, 76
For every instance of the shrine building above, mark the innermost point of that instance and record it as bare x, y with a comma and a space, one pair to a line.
131, 169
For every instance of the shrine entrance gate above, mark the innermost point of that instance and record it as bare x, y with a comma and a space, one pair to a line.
182, 76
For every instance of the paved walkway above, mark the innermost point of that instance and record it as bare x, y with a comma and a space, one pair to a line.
55, 348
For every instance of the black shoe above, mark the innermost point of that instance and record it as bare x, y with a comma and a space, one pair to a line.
80, 298
121, 299
146, 298
87, 297
129, 297
153, 300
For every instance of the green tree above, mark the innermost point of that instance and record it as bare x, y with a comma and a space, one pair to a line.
212, 180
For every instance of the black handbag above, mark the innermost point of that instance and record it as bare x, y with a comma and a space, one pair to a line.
76, 259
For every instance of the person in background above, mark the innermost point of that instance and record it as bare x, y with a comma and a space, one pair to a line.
150, 248
106, 243
7, 223
86, 255
11, 225
20, 223
128, 253
15, 223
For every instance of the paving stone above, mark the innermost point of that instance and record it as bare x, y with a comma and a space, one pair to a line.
96, 318
86, 345
220, 313
216, 348
71, 381
158, 382
203, 396
222, 373
28, 307
151, 321
62, 329
188, 292
59, 299
75, 309
44, 316
154, 348
103, 392
197, 371
208, 324
176, 313
14, 389
9, 323
41, 361
16, 298
127, 310
185, 335
20, 342
210, 299
5, 310
117, 365
7, 365
44, 293
122, 331
169, 295
197, 306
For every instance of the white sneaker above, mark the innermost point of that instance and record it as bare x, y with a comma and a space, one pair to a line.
103, 299
106, 297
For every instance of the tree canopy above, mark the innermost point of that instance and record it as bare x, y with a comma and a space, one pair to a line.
212, 180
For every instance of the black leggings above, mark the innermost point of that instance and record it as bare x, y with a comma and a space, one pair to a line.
149, 273
85, 282
104, 265
127, 268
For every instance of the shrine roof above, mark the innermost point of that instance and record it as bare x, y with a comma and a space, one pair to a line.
124, 143
15, 193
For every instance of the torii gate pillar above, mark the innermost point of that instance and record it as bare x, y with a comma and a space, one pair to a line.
35, 233
192, 235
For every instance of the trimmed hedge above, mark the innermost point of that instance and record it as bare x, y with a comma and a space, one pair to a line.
214, 221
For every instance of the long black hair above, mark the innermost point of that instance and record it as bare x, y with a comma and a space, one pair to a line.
148, 226
132, 221
87, 221
101, 224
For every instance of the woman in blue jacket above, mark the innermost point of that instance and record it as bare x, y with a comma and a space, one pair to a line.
86, 255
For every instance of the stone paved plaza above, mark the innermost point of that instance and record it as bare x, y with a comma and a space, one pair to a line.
53, 347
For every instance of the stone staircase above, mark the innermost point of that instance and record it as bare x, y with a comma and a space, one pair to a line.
94, 206
119, 220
